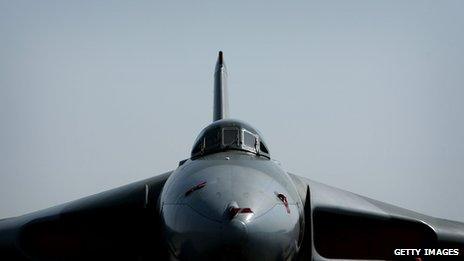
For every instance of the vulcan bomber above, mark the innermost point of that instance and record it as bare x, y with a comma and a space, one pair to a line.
228, 201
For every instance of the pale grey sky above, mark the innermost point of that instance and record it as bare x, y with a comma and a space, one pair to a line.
362, 95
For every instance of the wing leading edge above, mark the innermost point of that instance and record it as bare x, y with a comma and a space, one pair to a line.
344, 225
121, 223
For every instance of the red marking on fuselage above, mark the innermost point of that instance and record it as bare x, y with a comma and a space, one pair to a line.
235, 211
283, 198
196, 187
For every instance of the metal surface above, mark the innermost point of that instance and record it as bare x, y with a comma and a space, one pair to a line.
242, 181
229, 201
212, 139
117, 224
221, 101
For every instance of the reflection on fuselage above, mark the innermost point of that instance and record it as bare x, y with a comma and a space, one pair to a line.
231, 202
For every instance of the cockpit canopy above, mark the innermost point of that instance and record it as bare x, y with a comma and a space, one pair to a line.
229, 134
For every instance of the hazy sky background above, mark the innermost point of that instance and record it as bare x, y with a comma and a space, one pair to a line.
367, 96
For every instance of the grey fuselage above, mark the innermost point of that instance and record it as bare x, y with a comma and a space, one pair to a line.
230, 201
231, 204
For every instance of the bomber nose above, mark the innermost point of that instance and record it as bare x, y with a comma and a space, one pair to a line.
271, 236
192, 236
235, 225
221, 192
236, 232
231, 213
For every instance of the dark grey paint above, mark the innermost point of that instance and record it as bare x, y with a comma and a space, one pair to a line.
242, 180
191, 213
221, 101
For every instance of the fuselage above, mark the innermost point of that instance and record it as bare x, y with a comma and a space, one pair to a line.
231, 202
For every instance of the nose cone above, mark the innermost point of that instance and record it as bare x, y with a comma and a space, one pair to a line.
234, 213
236, 232
247, 190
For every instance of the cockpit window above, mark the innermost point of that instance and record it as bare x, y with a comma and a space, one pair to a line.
223, 135
230, 136
212, 139
249, 140
197, 147
263, 148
